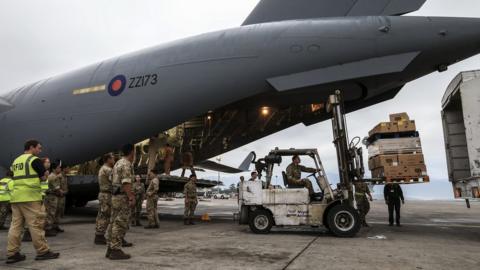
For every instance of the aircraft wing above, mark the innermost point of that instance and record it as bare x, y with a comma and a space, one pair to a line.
281, 10
370, 67
214, 166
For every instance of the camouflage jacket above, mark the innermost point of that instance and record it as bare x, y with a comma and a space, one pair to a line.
361, 188
153, 187
105, 179
54, 183
64, 184
122, 172
294, 172
190, 191
138, 189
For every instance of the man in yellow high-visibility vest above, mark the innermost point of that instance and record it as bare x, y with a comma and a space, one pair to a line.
26, 202
6, 185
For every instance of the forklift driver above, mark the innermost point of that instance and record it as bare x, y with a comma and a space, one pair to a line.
294, 175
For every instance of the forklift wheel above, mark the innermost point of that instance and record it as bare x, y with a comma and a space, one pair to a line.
261, 221
343, 221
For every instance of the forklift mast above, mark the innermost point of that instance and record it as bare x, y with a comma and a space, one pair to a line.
349, 156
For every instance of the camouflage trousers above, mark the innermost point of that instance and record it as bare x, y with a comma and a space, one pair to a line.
303, 183
190, 209
4, 209
104, 213
119, 221
51, 203
60, 207
152, 210
137, 209
363, 207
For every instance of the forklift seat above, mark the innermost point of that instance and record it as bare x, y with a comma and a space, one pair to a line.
285, 182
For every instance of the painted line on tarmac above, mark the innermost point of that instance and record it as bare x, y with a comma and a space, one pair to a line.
432, 225
300, 253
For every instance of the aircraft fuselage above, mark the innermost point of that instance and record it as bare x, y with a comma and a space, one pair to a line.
85, 113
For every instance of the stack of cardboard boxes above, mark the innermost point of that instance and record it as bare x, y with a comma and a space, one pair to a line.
395, 151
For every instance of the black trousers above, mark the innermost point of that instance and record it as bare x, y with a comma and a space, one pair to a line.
394, 205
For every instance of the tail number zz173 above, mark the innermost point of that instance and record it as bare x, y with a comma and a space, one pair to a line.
142, 81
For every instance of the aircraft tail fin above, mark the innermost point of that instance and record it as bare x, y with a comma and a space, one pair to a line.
245, 165
281, 10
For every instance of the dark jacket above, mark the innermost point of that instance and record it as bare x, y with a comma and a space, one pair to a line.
393, 192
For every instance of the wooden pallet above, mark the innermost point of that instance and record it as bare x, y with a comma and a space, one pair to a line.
401, 180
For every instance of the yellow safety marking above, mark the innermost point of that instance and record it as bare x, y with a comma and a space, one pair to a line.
89, 90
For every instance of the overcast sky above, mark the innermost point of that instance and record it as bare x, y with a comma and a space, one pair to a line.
39, 39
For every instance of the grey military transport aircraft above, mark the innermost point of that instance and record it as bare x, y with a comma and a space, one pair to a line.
231, 87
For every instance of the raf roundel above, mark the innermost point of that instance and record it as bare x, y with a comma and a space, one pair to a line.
117, 85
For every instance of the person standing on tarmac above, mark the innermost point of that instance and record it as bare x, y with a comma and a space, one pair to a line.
139, 191
123, 199
6, 186
191, 201
51, 199
104, 199
26, 202
61, 199
152, 200
363, 204
393, 194
44, 187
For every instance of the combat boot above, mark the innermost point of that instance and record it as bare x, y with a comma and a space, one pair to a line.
126, 244
100, 240
17, 257
118, 254
190, 221
109, 251
137, 223
50, 232
47, 256
3, 228
59, 230
185, 221
151, 227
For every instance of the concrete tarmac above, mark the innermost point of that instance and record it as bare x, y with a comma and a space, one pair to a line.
435, 235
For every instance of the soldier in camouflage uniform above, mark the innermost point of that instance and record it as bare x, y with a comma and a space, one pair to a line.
104, 199
51, 198
363, 205
139, 191
61, 200
294, 174
152, 201
191, 201
123, 199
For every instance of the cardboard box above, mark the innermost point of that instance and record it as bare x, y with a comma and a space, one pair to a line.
397, 117
385, 127
406, 126
415, 171
385, 160
395, 146
411, 159
391, 171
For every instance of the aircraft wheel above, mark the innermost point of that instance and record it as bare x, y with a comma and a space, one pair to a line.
215, 197
261, 221
343, 221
